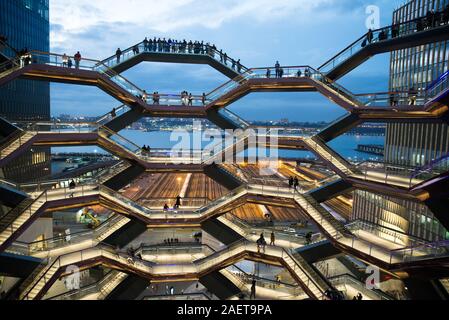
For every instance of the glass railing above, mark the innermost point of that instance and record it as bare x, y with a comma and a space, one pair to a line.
156, 99
62, 127
405, 255
9, 66
120, 140
326, 153
175, 156
34, 284
70, 62
436, 166
181, 214
309, 72
110, 115
394, 174
85, 291
179, 297
45, 246
303, 272
176, 249
214, 154
284, 72
439, 87
126, 201
186, 202
421, 252
290, 133
371, 100
174, 48
229, 86
376, 36
351, 281
239, 122
40, 186
284, 288
233, 250
10, 222
335, 122
393, 99
390, 235
292, 240
109, 172
14, 142
178, 214
14, 220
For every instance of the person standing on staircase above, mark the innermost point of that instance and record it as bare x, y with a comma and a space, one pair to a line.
253, 290
118, 55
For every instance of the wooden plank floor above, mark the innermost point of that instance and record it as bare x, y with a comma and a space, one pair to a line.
287, 214
201, 186
249, 212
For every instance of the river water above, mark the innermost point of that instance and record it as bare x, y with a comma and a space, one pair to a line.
345, 145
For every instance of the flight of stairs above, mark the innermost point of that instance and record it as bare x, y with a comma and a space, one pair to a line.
16, 144
308, 277
33, 285
17, 217
327, 154
119, 221
321, 216
8, 67
112, 283
116, 170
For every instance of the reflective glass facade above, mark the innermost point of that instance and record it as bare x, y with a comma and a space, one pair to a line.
417, 144
411, 144
26, 25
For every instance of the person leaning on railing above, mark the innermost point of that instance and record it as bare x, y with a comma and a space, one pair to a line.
77, 58
65, 60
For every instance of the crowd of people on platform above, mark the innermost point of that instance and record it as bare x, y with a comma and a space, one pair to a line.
183, 47
431, 20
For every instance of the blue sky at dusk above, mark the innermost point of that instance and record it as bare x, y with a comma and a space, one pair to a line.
259, 32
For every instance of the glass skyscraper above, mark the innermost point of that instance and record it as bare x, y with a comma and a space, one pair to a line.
26, 24
411, 144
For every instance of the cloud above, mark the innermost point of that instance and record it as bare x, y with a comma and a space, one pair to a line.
72, 18
78, 15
